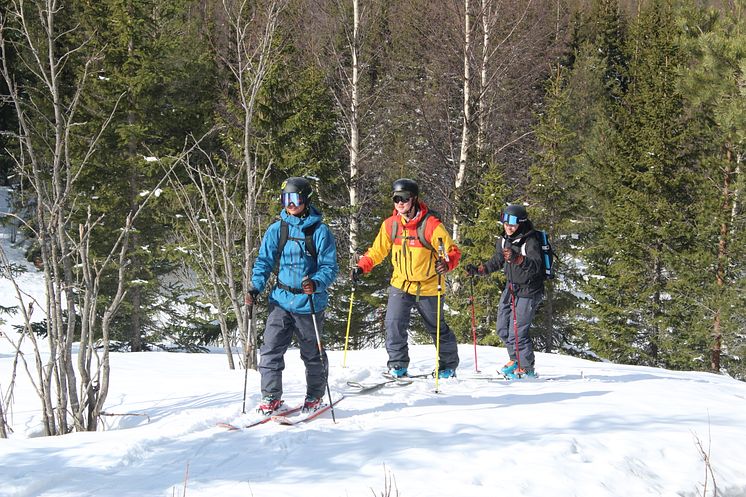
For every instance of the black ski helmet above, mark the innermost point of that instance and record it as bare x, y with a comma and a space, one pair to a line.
514, 214
406, 185
298, 185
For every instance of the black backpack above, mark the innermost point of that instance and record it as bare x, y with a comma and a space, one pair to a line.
547, 252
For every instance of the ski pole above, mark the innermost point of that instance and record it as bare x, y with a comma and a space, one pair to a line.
246, 356
321, 352
442, 255
474, 325
515, 325
349, 320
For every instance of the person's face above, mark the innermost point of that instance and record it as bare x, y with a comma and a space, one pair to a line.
510, 229
293, 203
403, 202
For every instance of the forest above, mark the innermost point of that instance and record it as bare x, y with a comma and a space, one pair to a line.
145, 141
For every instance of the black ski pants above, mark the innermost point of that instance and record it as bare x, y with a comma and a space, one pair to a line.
397, 328
278, 334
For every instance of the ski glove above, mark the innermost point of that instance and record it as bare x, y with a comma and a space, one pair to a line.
356, 273
251, 297
510, 256
308, 286
473, 270
441, 266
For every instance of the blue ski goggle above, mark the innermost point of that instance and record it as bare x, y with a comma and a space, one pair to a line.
509, 218
294, 198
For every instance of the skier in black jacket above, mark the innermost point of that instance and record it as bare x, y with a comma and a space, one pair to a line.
518, 254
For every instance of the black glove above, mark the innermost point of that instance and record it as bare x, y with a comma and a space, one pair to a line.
474, 270
356, 273
308, 286
441, 266
251, 297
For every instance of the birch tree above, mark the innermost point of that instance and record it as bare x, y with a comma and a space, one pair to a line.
221, 203
51, 156
465, 121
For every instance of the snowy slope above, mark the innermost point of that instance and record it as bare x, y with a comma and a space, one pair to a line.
594, 430
597, 430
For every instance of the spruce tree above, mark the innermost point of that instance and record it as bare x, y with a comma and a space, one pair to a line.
713, 84
648, 193
155, 74
556, 197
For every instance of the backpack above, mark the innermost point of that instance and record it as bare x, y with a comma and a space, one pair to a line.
285, 236
547, 252
420, 230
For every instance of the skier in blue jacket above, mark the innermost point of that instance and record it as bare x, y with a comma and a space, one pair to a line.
306, 266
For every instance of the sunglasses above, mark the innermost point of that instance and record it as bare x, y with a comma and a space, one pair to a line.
509, 218
293, 198
402, 197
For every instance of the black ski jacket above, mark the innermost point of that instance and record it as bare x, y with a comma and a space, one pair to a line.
527, 278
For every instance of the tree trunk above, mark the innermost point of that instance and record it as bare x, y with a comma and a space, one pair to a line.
465, 132
354, 136
722, 261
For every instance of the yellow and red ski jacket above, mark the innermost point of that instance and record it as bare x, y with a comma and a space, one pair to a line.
414, 263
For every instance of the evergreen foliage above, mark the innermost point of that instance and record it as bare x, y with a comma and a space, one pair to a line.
630, 154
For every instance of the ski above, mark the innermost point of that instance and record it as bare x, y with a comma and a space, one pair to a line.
500, 377
407, 377
363, 389
283, 419
265, 419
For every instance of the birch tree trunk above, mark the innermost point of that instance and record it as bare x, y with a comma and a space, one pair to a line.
466, 123
224, 210
51, 161
354, 137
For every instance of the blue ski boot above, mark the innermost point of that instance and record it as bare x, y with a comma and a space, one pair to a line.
447, 373
508, 369
398, 372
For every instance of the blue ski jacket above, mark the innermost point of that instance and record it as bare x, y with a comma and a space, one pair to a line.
296, 261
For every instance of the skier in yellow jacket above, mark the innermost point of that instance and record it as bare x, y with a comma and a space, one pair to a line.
422, 251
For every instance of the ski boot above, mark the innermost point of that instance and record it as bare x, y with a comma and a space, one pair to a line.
311, 404
269, 405
447, 373
509, 368
398, 372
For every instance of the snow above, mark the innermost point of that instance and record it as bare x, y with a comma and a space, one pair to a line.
588, 429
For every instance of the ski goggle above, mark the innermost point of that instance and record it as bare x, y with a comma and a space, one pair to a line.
402, 197
509, 218
294, 198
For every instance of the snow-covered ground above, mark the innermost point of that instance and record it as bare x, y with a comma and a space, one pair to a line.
589, 429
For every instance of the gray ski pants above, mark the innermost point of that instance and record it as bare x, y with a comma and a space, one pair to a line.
509, 330
278, 334
397, 328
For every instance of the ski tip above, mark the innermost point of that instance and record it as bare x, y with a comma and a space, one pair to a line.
283, 420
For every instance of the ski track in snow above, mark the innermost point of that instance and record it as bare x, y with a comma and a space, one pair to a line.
594, 430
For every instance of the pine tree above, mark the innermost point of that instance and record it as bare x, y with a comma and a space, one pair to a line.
648, 193
556, 197
156, 74
481, 234
713, 85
